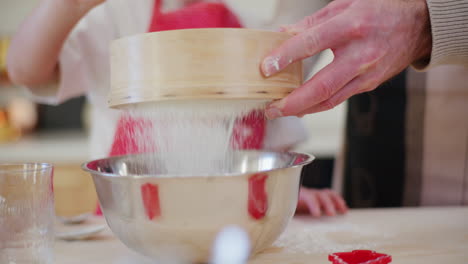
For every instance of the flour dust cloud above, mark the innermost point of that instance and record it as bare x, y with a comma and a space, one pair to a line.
191, 137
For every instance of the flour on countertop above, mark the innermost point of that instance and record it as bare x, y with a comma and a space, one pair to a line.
330, 237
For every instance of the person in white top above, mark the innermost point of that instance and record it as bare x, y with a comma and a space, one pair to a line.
73, 38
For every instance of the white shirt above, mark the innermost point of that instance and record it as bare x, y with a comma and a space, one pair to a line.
84, 59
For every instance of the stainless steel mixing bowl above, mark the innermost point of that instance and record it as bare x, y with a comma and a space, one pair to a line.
162, 215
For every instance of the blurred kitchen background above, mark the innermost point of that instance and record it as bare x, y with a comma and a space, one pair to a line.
32, 132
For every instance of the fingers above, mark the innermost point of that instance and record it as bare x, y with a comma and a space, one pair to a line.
324, 14
338, 202
301, 207
326, 202
310, 199
320, 88
306, 44
318, 201
358, 85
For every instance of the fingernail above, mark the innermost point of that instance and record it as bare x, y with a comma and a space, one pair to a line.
273, 112
283, 28
270, 65
287, 28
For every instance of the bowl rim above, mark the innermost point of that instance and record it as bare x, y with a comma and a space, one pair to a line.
308, 159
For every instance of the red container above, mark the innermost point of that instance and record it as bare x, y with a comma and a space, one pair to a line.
359, 257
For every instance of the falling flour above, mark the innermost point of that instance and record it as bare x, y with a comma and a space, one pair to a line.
189, 137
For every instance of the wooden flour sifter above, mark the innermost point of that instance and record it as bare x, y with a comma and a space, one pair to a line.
214, 63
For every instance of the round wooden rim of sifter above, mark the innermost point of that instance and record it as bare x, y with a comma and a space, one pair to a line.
215, 63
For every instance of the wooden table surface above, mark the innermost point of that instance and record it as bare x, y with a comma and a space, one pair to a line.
410, 235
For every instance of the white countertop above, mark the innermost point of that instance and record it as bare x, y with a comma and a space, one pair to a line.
52, 147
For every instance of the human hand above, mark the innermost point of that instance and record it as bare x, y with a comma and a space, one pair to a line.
318, 202
371, 40
35, 48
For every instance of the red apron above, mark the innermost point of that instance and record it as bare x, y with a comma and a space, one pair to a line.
248, 132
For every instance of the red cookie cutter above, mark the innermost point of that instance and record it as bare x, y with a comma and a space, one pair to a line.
360, 257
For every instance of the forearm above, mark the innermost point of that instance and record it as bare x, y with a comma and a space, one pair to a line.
35, 48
